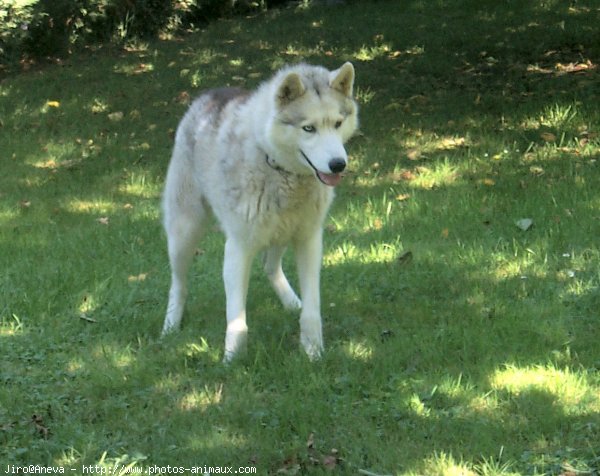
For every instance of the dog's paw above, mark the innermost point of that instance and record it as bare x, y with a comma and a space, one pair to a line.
168, 328
292, 303
313, 350
235, 343
311, 334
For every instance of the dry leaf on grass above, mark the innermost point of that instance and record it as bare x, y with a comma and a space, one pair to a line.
413, 154
116, 116
405, 258
548, 136
40, 427
524, 223
139, 277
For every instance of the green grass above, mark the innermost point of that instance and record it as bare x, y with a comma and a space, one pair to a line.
477, 353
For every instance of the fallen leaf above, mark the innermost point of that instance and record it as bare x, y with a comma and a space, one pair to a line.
184, 98
548, 136
330, 462
524, 223
452, 143
418, 99
87, 319
116, 116
291, 469
445, 233
103, 220
143, 67
406, 175
574, 67
488, 182
7, 426
403, 197
42, 429
405, 258
53, 104
139, 277
413, 154
370, 473
536, 170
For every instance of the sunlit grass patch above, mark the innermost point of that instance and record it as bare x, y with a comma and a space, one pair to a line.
439, 175
444, 464
10, 326
555, 116
94, 206
118, 357
198, 400
420, 144
55, 155
570, 390
370, 53
8, 214
139, 185
359, 350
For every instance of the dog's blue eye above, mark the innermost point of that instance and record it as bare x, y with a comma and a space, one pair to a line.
309, 129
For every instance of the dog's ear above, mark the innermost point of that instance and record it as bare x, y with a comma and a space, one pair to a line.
291, 88
342, 79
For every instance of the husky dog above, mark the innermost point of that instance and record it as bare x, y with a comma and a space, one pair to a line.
265, 164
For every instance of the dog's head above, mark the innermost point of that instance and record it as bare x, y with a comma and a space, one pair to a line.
315, 115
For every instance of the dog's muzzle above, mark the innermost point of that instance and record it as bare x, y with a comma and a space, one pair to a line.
336, 166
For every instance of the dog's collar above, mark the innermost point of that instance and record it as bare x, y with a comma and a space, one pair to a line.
275, 166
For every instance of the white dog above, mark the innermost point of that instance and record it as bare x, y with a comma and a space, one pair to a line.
265, 164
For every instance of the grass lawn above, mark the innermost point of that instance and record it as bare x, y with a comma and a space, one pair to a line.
461, 278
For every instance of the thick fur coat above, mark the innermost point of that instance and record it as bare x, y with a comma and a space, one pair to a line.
265, 165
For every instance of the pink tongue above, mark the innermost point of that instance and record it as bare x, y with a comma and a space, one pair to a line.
330, 179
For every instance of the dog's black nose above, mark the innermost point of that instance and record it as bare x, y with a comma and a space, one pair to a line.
337, 165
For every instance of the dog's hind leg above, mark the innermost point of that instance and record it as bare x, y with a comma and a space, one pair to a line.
183, 233
276, 276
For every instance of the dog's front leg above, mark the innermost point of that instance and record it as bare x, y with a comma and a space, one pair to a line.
308, 258
236, 274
